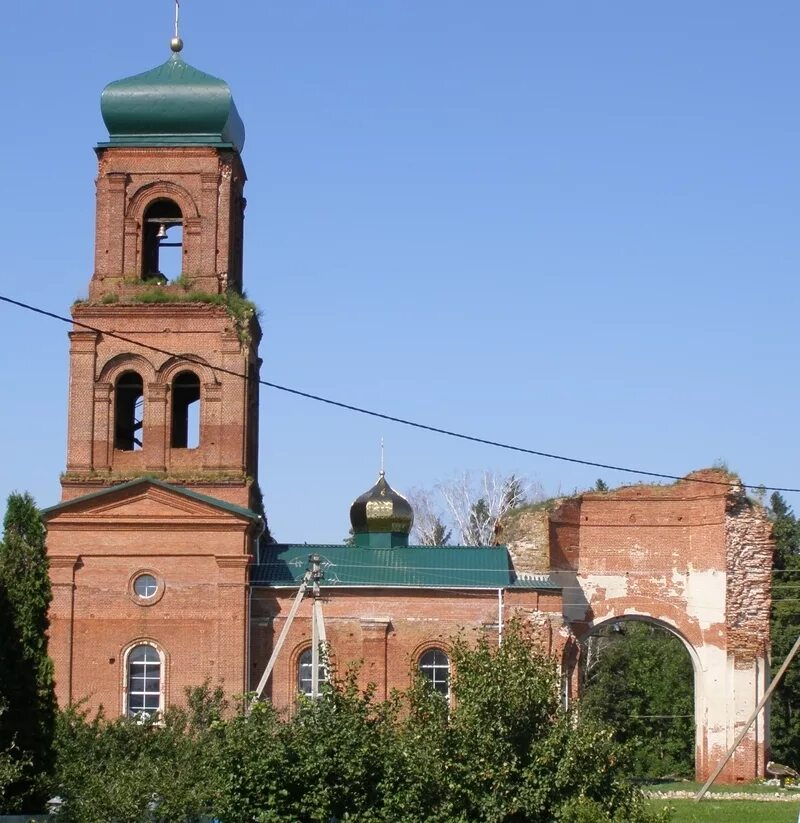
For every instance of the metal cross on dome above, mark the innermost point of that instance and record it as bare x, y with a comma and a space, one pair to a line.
176, 44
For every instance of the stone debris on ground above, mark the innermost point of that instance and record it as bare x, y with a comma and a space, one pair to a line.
685, 794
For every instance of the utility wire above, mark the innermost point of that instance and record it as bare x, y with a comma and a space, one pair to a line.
391, 418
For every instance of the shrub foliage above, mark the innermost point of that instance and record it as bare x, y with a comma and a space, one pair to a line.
502, 750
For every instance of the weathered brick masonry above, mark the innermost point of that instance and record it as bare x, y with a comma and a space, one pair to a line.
694, 557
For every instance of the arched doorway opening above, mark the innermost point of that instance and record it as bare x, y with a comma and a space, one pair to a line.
638, 676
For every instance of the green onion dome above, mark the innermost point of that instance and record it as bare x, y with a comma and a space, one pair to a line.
172, 104
381, 511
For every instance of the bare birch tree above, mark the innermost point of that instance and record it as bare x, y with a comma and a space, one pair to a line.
477, 506
429, 526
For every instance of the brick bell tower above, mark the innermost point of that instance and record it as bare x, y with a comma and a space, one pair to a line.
168, 279
160, 511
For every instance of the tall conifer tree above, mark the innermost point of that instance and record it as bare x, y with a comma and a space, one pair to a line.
785, 707
27, 687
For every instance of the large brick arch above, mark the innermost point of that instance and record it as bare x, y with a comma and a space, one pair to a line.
695, 557
669, 620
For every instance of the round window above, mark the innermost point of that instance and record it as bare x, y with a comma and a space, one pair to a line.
145, 586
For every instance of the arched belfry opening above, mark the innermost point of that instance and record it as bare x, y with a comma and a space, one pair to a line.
185, 431
162, 237
128, 412
637, 676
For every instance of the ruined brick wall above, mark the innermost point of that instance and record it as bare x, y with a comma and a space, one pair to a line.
749, 563
660, 550
565, 529
694, 557
526, 533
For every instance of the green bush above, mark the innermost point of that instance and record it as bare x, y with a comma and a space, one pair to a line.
502, 751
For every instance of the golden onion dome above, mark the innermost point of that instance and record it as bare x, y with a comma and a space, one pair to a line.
381, 510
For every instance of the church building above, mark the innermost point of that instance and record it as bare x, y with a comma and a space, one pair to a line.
163, 577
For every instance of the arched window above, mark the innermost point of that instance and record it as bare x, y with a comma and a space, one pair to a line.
128, 412
185, 411
435, 667
305, 669
162, 250
144, 681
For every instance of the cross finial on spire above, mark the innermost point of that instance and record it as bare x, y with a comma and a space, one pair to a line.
176, 44
382, 468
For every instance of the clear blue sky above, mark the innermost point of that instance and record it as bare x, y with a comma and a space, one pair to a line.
570, 226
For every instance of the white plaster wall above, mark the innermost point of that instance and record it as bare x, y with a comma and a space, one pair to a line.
720, 691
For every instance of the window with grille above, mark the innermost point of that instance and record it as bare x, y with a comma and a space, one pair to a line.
144, 681
435, 667
304, 671
145, 586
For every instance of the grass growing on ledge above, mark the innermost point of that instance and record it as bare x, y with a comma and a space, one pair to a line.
239, 308
181, 476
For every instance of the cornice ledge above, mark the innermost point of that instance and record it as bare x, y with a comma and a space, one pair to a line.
63, 561
233, 561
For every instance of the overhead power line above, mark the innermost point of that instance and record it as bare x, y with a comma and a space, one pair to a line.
390, 417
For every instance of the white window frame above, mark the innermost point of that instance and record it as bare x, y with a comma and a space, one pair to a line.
303, 682
151, 577
431, 671
126, 674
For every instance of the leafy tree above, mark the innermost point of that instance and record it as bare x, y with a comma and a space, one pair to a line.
503, 751
600, 485
134, 771
638, 680
29, 719
785, 704
12, 767
337, 750
248, 755
506, 750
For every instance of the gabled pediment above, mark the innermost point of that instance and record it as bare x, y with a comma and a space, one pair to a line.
148, 502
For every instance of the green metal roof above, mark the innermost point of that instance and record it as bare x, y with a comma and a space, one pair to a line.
446, 567
172, 104
203, 498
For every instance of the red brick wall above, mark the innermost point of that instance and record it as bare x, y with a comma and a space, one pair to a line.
225, 457
206, 183
199, 555
385, 630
